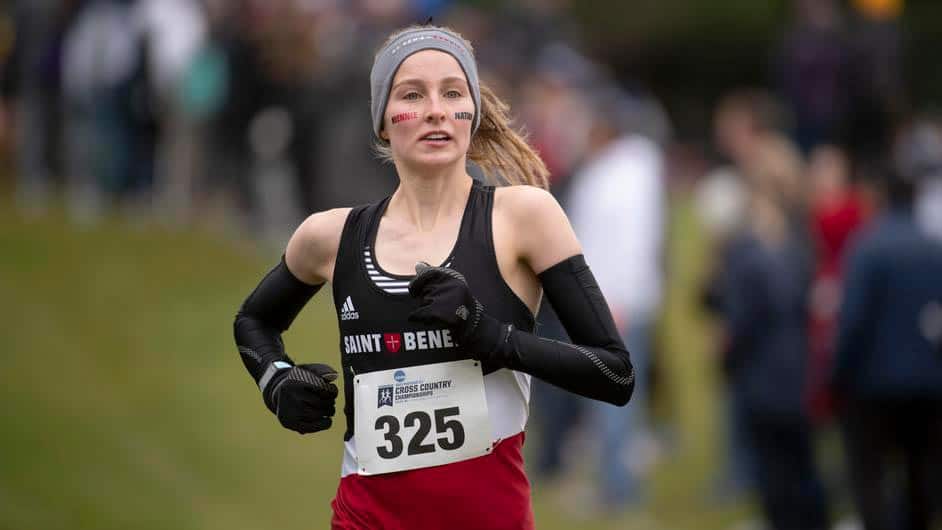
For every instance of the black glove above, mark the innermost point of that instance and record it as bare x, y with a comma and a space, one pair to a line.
447, 300
303, 397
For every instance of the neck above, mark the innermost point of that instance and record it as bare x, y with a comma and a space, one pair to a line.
430, 195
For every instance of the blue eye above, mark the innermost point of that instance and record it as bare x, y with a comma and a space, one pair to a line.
411, 95
453, 94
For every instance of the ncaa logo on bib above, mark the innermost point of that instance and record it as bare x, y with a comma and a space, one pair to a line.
399, 376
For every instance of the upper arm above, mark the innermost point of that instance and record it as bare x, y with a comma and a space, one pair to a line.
312, 249
745, 296
854, 326
857, 299
542, 236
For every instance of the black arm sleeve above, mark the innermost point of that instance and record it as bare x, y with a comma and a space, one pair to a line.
265, 314
597, 364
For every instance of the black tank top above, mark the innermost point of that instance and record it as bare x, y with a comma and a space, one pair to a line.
375, 332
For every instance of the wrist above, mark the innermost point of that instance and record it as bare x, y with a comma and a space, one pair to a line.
489, 339
268, 382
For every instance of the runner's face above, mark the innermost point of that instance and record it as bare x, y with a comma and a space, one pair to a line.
429, 114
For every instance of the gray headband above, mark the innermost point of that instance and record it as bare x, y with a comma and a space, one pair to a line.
391, 57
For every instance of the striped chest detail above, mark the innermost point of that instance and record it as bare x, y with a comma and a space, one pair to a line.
392, 285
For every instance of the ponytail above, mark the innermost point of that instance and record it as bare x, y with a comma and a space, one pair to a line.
501, 152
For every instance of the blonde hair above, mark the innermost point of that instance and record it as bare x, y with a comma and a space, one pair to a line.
502, 152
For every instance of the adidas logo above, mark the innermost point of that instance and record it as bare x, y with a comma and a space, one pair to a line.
347, 311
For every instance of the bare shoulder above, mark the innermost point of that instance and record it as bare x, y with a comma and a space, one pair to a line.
541, 231
312, 249
523, 202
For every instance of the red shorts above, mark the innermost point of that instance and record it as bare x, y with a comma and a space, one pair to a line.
484, 493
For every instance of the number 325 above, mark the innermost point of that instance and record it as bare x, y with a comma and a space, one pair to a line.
417, 445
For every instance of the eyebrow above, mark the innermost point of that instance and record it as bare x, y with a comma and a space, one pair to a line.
417, 81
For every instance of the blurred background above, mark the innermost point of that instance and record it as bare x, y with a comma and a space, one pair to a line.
717, 159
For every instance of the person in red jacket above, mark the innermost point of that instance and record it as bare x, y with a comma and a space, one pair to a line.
837, 212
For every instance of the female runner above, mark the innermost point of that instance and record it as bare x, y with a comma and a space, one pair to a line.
436, 359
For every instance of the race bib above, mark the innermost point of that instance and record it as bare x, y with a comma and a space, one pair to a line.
422, 416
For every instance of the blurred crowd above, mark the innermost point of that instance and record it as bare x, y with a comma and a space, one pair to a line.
823, 217
249, 109
820, 194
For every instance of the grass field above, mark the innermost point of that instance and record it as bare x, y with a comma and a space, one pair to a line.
125, 405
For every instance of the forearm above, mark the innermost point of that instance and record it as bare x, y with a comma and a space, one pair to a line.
597, 365
598, 373
265, 315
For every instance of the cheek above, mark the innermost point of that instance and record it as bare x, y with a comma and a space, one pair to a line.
401, 117
400, 121
463, 117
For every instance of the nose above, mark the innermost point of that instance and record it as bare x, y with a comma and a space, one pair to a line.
435, 113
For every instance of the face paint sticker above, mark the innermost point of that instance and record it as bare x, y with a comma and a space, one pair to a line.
464, 116
405, 116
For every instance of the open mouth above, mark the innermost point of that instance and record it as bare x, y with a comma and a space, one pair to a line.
436, 137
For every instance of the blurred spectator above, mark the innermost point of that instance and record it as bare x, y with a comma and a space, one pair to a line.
621, 187
721, 200
556, 112
765, 284
919, 154
31, 91
265, 130
876, 90
837, 212
173, 31
604, 174
888, 366
814, 72
841, 76
109, 121
747, 130
344, 170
